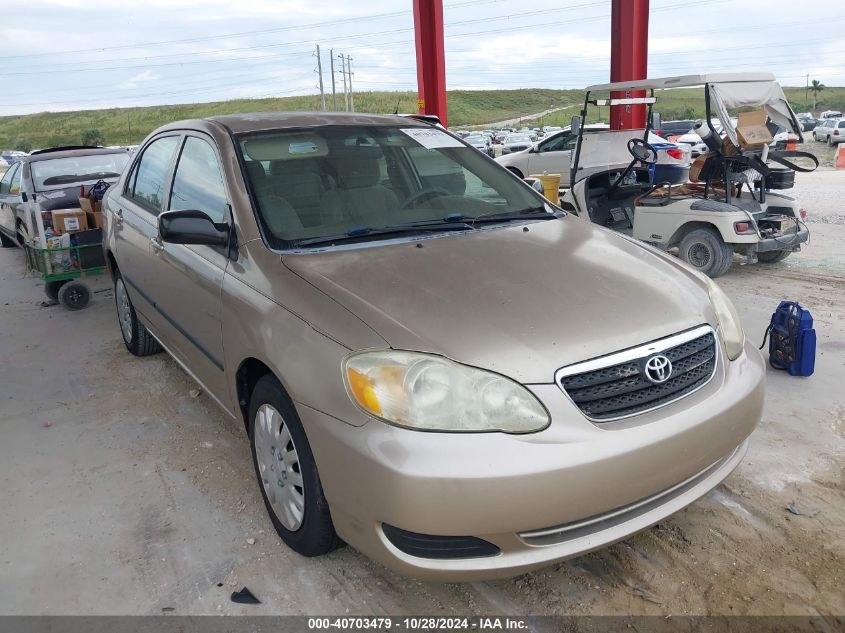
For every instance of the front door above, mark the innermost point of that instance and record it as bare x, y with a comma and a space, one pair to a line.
553, 156
8, 200
189, 278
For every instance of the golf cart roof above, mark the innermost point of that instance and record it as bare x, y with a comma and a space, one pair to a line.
682, 81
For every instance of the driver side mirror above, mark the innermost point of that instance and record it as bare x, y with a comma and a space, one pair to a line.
656, 122
575, 125
191, 227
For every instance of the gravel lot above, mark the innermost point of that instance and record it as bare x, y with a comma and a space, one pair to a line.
123, 494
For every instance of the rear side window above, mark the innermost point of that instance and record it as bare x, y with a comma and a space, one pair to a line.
198, 183
7, 178
15, 187
147, 183
842, 125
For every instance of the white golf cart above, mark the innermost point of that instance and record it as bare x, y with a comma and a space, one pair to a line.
705, 220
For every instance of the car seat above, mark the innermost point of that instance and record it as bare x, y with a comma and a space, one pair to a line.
359, 199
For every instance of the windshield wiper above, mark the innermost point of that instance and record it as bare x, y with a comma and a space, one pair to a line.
365, 232
535, 213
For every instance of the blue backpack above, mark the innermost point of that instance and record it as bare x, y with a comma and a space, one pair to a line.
792, 339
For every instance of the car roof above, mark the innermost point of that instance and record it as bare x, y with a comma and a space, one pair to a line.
683, 81
69, 153
257, 121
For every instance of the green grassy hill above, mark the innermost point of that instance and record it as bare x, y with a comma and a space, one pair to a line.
466, 107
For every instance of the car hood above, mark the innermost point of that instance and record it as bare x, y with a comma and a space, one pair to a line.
521, 303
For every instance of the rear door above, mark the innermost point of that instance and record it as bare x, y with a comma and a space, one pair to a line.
134, 217
189, 278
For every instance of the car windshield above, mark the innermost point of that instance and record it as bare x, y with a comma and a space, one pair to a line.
357, 180
518, 138
58, 173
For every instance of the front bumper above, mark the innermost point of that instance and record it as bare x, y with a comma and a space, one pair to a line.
539, 498
784, 242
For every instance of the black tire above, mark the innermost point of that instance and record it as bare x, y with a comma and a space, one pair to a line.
315, 535
19, 234
138, 340
704, 250
515, 172
770, 257
74, 295
6, 241
815, 138
51, 289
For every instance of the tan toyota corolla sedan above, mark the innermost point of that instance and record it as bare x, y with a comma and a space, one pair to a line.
432, 363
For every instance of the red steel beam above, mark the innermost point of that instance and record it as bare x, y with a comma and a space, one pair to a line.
431, 58
628, 59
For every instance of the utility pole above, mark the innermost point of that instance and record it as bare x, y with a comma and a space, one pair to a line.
807, 92
320, 72
343, 70
351, 94
334, 92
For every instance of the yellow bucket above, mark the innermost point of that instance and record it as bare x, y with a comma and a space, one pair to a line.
551, 184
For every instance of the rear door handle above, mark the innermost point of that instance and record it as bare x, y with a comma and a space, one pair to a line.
118, 217
157, 244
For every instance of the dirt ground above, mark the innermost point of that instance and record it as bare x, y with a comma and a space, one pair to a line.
122, 493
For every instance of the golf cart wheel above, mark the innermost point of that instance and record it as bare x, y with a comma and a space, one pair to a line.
770, 257
704, 250
6, 241
74, 295
51, 289
287, 472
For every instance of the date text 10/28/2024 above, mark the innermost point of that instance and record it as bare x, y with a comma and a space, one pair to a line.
420, 623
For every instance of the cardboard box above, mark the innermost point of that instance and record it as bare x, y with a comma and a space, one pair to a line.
751, 129
69, 221
95, 219
90, 207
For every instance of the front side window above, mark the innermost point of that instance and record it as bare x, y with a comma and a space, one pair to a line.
559, 143
147, 183
349, 180
198, 182
59, 173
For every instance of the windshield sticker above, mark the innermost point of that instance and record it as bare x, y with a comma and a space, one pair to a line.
432, 138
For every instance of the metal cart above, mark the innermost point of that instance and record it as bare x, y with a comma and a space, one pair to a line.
62, 269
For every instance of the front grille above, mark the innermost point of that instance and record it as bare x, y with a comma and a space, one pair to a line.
617, 386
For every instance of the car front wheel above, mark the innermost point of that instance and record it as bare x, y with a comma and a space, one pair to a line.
287, 473
136, 337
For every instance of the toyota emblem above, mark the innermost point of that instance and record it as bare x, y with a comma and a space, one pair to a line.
658, 369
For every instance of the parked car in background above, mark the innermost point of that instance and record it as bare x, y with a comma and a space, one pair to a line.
830, 131
553, 154
830, 114
516, 142
479, 142
48, 180
807, 121
408, 378
671, 130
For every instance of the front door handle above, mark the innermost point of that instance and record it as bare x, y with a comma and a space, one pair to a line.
157, 244
118, 217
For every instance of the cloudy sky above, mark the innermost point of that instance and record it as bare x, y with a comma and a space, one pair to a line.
81, 54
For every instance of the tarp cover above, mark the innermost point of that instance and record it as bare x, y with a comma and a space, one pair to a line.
766, 94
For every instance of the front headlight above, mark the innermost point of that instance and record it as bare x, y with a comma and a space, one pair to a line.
729, 325
432, 393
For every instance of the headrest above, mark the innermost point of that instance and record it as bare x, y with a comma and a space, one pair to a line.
357, 172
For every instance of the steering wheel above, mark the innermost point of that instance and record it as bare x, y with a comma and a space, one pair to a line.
642, 151
423, 194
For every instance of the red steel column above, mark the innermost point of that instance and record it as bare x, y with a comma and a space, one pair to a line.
431, 58
628, 59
